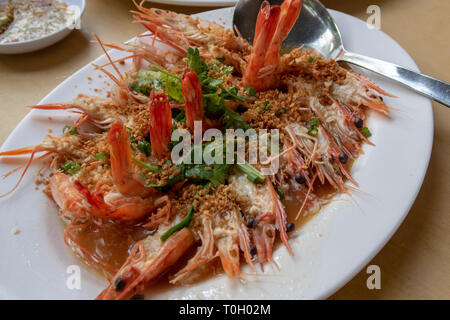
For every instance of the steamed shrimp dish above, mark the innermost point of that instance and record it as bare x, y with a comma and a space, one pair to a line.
137, 215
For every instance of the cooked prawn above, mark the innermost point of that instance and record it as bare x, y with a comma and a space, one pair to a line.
99, 111
160, 124
148, 259
125, 178
272, 27
192, 94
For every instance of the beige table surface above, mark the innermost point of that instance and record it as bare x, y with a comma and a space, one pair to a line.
416, 261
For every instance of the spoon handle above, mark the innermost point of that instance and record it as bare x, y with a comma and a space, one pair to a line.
435, 89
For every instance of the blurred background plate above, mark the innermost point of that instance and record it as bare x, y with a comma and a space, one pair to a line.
198, 3
45, 41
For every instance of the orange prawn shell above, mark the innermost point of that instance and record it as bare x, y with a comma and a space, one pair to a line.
160, 125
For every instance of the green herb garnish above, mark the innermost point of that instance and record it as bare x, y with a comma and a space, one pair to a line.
100, 156
215, 174
232, 93
183, 223
144, 147
313, 132
71, 132
196, 63
366, 132
71, 167
146, 166
250, 91
314, 123
148, 80
253, 175
145, 86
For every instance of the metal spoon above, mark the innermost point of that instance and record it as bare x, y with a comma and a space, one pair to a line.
316, 29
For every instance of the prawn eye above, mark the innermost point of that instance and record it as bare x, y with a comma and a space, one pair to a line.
119, 284
299, 178
253, 250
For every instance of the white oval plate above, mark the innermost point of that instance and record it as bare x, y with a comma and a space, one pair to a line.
198, 3
45, 41
329, 250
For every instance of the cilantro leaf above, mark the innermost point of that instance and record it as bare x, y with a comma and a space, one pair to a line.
196, 63
250, 91
214, 105
232, 93
149, 80
100, 156
216, 174
234, 120
144, 147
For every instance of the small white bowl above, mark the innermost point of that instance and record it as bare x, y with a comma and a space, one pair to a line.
47, 40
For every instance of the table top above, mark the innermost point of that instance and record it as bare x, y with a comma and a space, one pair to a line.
415, 262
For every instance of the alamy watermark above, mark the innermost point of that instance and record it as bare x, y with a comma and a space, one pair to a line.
374, 20
374, 280
73, 281
75, 23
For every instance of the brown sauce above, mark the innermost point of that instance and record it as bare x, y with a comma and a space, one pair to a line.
112, 241
292, 206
